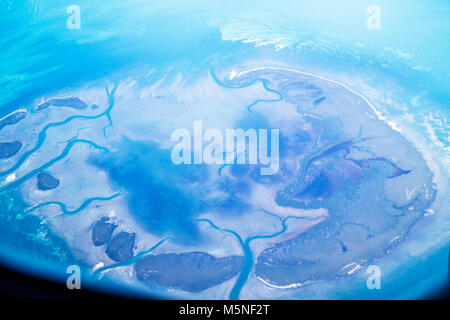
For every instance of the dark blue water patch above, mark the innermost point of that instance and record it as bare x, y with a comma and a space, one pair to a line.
319, 188
102, 231
45, 181
337, 151
332, 175
318, 101
396, 171
13, 118
8, 149
72, 102
158, 192
120, 248
191, 271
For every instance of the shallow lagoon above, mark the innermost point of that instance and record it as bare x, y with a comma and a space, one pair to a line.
353, 185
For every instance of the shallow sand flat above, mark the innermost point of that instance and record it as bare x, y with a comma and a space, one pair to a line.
327, 250
349, 187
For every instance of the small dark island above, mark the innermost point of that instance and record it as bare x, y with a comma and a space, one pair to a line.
102, 231
121, 247
189, 271
46, 181
12, 118
72, 102
8, 149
